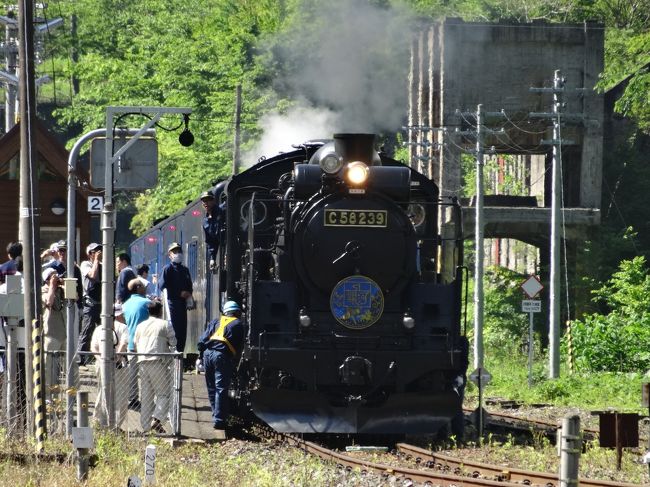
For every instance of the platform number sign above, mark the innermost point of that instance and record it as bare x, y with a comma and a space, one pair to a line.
95, 204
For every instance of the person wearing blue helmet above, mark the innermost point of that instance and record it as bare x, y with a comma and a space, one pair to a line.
218, 346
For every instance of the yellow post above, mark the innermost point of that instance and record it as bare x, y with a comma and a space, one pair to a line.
39, 402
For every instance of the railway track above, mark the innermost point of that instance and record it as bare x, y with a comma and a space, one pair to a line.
507, 475
525, 425
433, 469
548, 428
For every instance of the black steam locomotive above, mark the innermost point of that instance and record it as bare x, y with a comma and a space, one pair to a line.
351, 293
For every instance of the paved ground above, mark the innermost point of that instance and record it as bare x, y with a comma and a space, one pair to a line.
196, 415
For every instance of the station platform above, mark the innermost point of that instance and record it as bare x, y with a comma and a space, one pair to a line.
196, 415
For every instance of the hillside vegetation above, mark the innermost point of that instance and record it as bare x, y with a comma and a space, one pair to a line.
308, 68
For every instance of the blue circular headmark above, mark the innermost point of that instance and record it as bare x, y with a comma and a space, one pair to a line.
357, 302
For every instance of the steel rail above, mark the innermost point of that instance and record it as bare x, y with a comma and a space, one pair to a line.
498, 419
476, 469
425, 477
405, 474
440, 470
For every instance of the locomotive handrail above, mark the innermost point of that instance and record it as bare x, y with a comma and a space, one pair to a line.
465, 281
259, 346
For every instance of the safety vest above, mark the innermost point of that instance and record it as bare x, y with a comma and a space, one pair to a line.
218, 334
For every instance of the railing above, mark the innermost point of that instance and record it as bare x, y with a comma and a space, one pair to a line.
146, 386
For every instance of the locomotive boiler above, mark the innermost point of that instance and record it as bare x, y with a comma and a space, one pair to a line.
347, 264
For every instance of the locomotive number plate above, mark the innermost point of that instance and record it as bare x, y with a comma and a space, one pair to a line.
355, 218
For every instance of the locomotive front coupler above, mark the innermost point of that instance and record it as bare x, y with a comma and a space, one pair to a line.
362, 398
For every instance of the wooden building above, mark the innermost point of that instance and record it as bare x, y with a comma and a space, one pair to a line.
52, 159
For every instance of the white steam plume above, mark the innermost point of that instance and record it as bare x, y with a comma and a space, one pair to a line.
298, 124
349, 62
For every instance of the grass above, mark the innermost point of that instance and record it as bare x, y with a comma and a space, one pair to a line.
265, 464
594, 391
232, 463
588, 392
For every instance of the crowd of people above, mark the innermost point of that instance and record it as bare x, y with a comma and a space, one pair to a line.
141, 337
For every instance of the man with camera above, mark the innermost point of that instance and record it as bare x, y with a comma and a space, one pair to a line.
54, 332
91, 273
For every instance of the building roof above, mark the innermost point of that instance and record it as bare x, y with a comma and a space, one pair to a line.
49, 148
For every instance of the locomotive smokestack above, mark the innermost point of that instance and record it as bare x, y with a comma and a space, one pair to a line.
355, 147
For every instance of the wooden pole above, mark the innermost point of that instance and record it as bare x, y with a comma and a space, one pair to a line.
29, 225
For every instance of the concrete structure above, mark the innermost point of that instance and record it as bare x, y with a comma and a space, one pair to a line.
456, 65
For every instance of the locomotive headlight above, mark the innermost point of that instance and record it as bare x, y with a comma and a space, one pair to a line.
408, 321
357, 173
331, 164
304, 318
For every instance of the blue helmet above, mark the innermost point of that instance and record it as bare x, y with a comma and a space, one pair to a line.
231, 306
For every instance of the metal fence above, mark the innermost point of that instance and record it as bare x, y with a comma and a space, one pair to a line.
13, 405
147, 386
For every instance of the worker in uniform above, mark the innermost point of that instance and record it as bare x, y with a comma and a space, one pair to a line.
212, 222
177, 281
218, 347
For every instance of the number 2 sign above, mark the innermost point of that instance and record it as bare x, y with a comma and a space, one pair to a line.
95, 204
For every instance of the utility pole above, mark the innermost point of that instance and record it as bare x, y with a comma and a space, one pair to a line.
421, 148
556, 207
9, 75
74, 52
480, 376
236, 156
478, 248
479, 224
107, 356
554, 304
28, 204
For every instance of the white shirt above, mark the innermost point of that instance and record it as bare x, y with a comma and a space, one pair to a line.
121, 337
154, 335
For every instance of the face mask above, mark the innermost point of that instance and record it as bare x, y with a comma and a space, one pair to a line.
177, 258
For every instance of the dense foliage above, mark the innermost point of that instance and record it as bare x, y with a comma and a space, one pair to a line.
186, 53
616, 338
505, 326
194, 53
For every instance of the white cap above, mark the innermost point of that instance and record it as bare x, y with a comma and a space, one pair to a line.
47, 273
92, 247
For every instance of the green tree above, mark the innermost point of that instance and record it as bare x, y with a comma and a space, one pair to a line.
616, 338
171, 53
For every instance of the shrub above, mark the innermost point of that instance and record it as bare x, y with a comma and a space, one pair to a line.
617, 338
